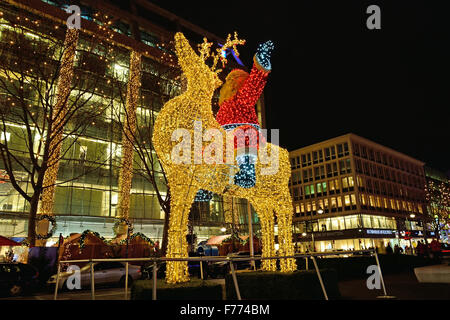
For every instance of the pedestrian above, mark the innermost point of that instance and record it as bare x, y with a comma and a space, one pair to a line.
421, 249
389, 249
435, 247
397, 249
408, 250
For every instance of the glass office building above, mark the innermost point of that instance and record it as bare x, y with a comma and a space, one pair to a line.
87, 185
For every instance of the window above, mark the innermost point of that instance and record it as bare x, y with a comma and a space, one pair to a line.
342, 166
305, 175
336, 183
335, 169
356, 149
340, 150
347, 201
344, 184
295, 194
346, 151
303, 160
309, 159
307, 191
319, 188
320, 156
317, 173
339, 203
333, 152
332, 185
348, 165
327, 154
3, 135
315, 157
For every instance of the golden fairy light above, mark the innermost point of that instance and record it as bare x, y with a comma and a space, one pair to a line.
129, 128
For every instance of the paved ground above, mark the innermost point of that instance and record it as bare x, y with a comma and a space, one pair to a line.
403, 286
100, 294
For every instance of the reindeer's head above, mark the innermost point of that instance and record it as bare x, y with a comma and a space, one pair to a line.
199, 75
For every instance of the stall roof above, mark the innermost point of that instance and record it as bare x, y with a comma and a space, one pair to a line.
5, 242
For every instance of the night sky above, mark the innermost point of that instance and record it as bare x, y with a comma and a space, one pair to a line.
331, 75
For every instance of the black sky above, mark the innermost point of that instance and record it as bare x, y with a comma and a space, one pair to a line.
331, 75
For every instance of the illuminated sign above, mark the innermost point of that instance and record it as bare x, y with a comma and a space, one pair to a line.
378, 231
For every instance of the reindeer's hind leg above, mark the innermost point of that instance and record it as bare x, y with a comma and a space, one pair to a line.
284, 213
265, 214
182, 197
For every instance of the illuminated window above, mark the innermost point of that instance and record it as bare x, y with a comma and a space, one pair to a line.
347, 201
351, 183
344, 183
372, 201
3, 135
307, 191
319, 187
324, 187
353, 199
339, 202
336, 182
362, 198
312, 189
302, 207
333, 203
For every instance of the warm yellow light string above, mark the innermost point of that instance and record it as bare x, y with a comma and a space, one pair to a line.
63, 92
129, 128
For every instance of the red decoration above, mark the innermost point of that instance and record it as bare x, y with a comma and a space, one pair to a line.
240, 108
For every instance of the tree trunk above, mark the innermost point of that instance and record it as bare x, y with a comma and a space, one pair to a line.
165, 238
32, 219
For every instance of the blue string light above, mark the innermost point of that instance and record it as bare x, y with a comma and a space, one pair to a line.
203, 196
263, 54
246, 177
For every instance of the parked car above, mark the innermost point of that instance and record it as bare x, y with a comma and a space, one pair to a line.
17, 278
221, 268
105, 273
193, 267
445, 250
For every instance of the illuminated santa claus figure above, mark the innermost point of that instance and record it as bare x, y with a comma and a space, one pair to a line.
238, 97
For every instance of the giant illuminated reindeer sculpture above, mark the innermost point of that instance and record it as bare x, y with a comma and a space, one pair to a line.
184, 132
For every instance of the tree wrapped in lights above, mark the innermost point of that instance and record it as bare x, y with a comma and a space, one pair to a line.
45, 109
437, 195
137, 122
270, 193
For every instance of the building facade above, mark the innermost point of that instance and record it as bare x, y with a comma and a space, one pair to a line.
87, 191
351, 193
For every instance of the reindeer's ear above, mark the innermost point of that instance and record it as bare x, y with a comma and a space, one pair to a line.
186, 55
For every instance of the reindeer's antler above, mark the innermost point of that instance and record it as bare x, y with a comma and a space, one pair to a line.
205, 51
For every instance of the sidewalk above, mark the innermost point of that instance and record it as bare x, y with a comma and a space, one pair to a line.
404, 286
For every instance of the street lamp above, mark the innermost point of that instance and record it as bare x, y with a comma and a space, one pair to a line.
223, 229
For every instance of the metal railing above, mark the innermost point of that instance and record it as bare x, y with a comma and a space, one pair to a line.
230, 260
